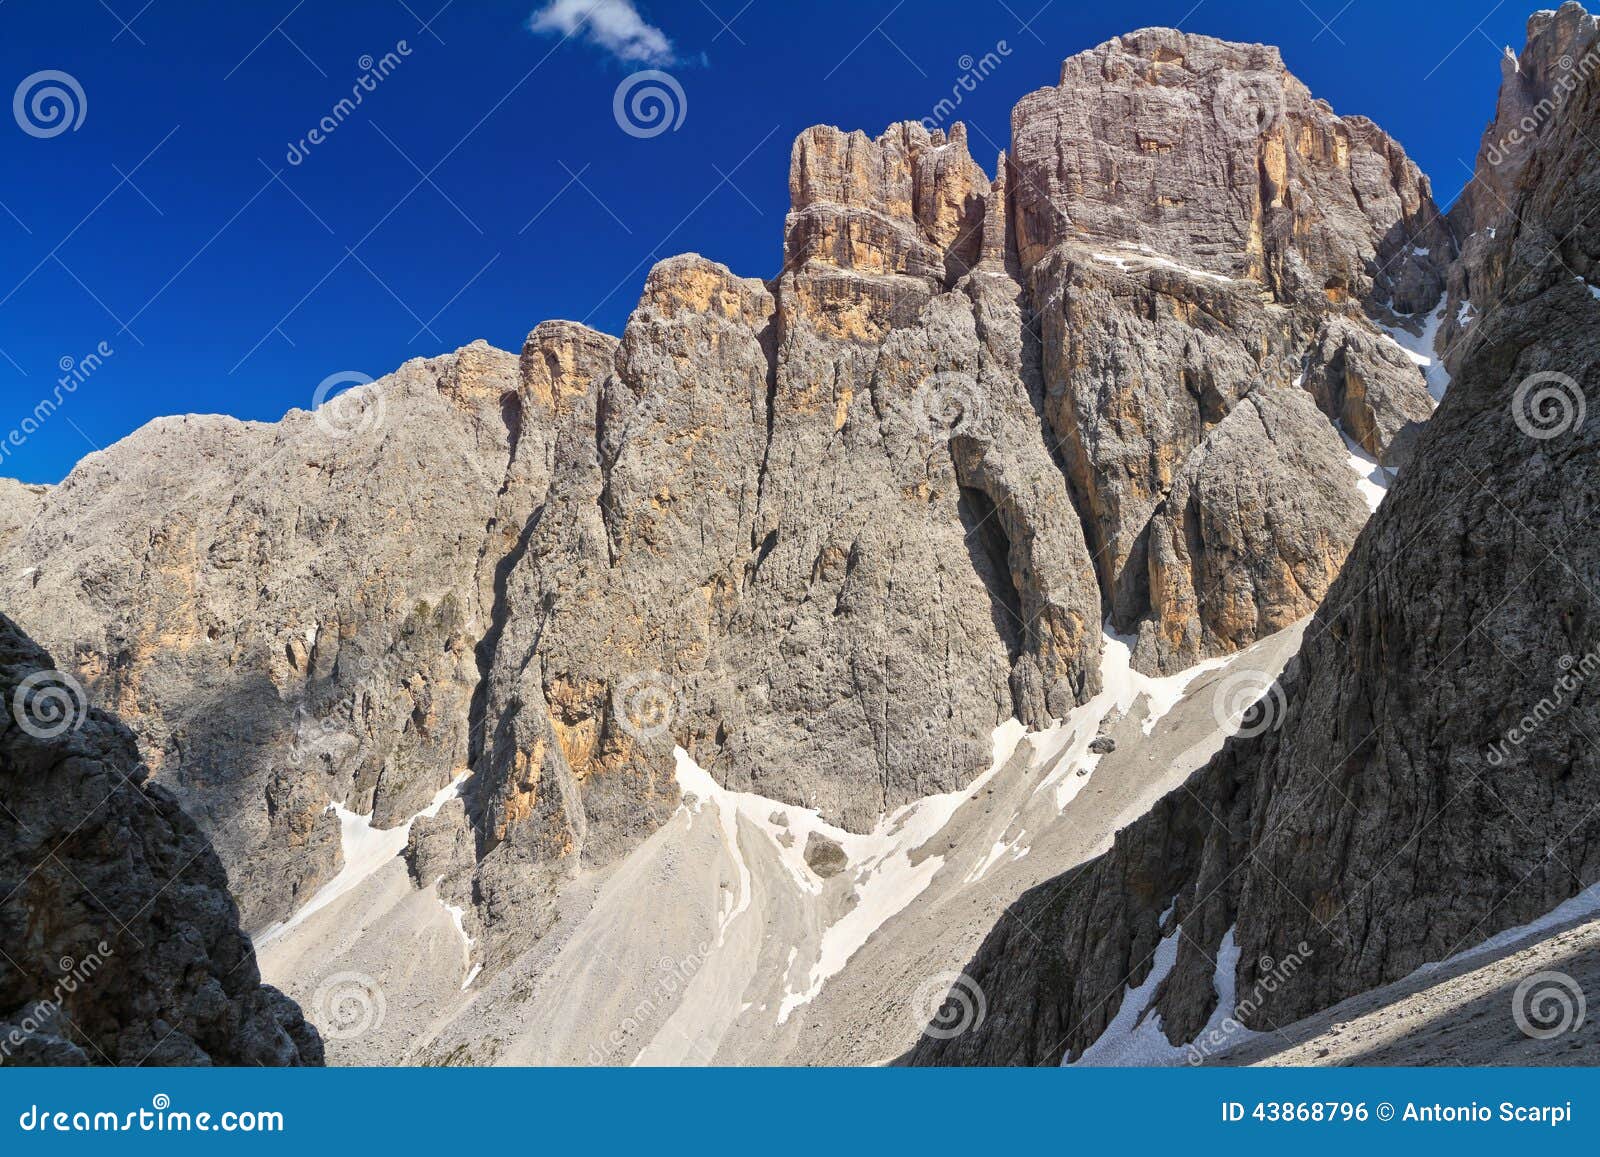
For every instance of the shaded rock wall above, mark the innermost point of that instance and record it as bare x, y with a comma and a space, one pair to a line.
287, 614
1424, 776
122, 944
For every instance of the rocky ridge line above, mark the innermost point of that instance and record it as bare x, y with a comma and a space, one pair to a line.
1041, 374
1377, 817
823, 532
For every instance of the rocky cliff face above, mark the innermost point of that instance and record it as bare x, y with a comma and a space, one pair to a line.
823, 532
19, 505
1194, 226
1557, 64
1423, 776
287, 614
122, 945
813, 535
967, 421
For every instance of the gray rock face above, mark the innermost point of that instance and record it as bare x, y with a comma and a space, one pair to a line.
19, 504
441, 847
1211, 155
122, 945
1422, 778
824, 856
1558, 61
287, 614
810, 532
1190, 221
908, 204
1043, 377
1260, 516
1368, 385
824, 533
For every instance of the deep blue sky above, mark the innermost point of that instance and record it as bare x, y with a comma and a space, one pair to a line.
222, 288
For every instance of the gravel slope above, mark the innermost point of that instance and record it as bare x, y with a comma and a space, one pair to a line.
1457, 1013
715, 941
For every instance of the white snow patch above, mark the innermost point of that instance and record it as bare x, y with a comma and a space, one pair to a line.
366, 849
1372, 480
1594, 290
1014, 846
885, 878
1464, 314
1143, 253
1225, 982
1419, 348
471, 976
988, 861
693, 779
1585, 903
1120, 688
1135, 1036
458, 917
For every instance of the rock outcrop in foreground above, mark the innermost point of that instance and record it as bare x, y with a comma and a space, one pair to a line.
295, 613
122, 945
1425, 775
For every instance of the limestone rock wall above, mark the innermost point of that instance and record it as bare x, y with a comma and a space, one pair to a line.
287, 614
824, 531
1388, 804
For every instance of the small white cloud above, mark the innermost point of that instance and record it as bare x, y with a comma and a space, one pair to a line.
614, 25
